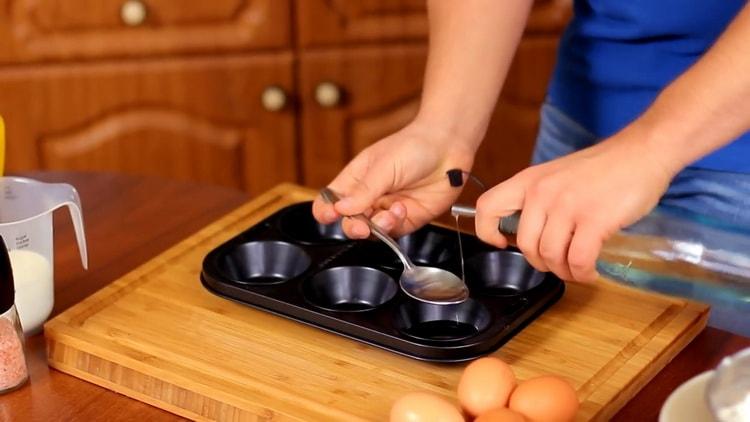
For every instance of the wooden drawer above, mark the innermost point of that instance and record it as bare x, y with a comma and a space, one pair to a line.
321, 22
193, 119
325, 22
36, 30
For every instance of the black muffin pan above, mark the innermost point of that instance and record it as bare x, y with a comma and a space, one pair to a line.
290, 265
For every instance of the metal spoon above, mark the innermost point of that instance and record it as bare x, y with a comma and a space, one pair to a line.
427, 284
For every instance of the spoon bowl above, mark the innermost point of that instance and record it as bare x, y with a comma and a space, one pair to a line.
426, 284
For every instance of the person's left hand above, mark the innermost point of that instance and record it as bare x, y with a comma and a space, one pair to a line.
571, 205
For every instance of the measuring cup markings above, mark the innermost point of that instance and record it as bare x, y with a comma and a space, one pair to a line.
26, 208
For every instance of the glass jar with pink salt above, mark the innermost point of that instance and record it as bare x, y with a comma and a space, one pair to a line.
13, 370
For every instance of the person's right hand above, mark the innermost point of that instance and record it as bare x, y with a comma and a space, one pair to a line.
400, 181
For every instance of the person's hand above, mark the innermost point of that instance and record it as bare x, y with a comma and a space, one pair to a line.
571, 205
400, 181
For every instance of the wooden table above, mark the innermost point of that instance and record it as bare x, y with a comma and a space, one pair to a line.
129, 220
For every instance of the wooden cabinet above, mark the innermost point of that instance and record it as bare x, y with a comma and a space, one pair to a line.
381, 84
379, 93
510, 138
336, 22
50, 30
151, 87
192, 118
237, 92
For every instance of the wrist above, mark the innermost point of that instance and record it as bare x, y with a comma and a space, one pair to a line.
658, 146
455, 127
677, 132
457, 146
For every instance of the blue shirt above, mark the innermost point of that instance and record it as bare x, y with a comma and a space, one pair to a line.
616, 55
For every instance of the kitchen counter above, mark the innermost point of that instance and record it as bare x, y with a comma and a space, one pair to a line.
131, 219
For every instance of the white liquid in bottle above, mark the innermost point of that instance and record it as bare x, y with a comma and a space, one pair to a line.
34, 298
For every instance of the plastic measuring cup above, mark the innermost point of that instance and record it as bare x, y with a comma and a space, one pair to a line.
26, 208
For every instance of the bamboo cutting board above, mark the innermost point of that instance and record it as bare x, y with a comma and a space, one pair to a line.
158, 336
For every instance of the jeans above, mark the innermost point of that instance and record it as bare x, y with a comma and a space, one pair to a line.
724, 196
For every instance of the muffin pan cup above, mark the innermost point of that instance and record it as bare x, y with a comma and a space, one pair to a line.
291, 266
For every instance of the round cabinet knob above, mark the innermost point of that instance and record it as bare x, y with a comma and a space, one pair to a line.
328, 94
273, 98
133, 12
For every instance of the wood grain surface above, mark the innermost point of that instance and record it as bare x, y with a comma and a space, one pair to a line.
158, 336
131, 219
34, 31
128, 220
198, 119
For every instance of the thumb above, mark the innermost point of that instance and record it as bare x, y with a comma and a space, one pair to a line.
500, 201
504, 198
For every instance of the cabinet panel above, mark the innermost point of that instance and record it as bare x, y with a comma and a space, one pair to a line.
511, 135
326, 22
323, 22
34, 30
380, 89
194, 119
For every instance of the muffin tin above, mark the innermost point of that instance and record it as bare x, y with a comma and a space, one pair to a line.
290, 265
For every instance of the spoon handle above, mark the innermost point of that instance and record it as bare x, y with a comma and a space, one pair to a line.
331, 197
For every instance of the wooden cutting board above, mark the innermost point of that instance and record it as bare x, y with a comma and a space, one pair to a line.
158, 336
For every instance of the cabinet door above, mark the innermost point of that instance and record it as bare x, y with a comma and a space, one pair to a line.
44, 30
378, 90
381, 86
321, 22
193, 119
510, 138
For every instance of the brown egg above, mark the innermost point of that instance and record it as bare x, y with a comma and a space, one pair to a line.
546, 398
501, 414
424, 407
485, 384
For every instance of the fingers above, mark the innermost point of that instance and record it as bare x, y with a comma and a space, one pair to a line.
399, 212
583, 251
569, 250
355, 229
324, 212
554, 244
385, 220
390, 220
533, 220
562, 247
374, 183
500, 201
547, 235
364, 181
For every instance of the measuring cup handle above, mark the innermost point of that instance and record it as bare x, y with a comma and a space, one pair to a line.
68, 196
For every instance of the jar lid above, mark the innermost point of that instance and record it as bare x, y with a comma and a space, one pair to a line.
7, 289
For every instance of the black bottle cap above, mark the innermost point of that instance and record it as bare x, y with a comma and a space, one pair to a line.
7, 289
455, 177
